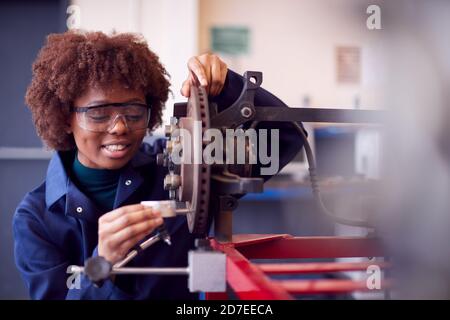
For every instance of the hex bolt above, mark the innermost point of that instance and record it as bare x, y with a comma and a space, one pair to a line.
176, 181
172, 181
167, 184
169, 146
168, 130
171, 131
173, 120
246, 112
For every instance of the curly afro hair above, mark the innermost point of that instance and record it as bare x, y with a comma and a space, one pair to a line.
71, 62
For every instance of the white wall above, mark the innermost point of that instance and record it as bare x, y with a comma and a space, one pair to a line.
169, 26
293, 42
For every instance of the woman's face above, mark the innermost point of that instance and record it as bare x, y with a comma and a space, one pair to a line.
112, 149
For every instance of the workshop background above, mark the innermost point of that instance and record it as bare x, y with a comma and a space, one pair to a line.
312, 53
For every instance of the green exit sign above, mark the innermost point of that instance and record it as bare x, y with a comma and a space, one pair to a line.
230, 40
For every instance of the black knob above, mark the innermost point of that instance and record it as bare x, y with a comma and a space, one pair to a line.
97, 269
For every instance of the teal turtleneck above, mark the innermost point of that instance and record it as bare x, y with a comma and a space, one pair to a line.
100, 185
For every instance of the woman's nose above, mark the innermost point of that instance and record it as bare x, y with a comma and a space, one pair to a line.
119, 125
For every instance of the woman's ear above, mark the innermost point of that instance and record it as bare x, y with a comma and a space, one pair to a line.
68, 128
69, 123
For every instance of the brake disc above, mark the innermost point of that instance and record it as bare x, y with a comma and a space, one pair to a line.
188, 180
195, 176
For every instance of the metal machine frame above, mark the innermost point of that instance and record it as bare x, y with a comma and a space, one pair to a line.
248, 280
211, 192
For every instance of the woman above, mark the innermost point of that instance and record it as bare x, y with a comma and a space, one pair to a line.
93, 98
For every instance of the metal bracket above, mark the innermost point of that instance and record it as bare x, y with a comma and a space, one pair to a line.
243, 109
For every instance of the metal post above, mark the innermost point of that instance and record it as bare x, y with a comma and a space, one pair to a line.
223, 226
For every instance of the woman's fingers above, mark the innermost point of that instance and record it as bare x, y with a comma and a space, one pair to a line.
127, 219
207, 70
198, 70
218, 75
223, 73
112, 215
120, 229
131, 231
125, 247
186, 88
190, 81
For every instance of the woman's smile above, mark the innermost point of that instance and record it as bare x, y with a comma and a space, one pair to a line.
116, 150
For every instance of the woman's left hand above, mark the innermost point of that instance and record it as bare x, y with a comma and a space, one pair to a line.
207, 70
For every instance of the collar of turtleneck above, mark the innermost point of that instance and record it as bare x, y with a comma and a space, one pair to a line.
100, 185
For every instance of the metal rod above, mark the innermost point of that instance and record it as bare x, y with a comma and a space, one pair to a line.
316, 267
171, 271
182, 211
326, 286
115, 270
223, 226
320, 115
147, 243
127, 259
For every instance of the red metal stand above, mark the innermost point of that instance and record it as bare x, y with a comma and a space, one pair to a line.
250, 280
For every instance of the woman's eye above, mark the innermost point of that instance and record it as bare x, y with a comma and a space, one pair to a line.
98, 117
134, 118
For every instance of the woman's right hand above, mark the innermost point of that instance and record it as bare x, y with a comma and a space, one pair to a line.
121, 229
